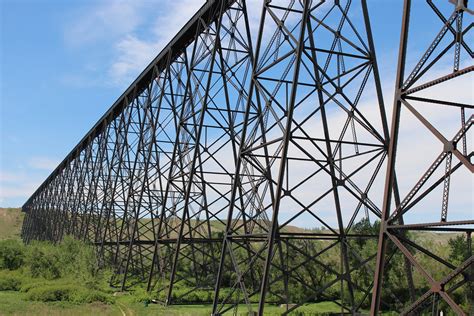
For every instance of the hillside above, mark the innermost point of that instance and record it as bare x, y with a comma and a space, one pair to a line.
11, 220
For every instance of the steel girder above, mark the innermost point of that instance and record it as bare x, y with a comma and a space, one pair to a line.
426, 89
199, 172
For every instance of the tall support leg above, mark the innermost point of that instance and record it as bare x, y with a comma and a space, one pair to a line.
238, 161
415, 94
470, 291
390, 178
284, 154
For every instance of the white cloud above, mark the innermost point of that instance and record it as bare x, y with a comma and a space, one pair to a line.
8, 177
43, 163
133, 53
129, 33
17, 186
132, 33
21, 190
18, 183
109, 19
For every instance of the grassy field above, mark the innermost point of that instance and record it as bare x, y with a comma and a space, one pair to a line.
15, 303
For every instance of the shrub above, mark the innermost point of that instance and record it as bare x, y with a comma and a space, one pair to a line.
70, 258
64, 272
10, 281
43, 262
77, 258
66, 292
34, 283
88, 296
49, 293
12, 254
141, 295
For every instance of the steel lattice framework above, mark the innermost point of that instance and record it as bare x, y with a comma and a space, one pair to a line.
236, 134
445, 62
311, 149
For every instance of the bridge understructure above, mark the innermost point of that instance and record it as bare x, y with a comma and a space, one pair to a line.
252, 162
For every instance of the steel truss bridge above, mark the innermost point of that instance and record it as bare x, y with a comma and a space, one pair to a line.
241, 131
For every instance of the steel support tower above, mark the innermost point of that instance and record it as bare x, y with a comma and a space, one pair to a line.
434, 97
312, 150
197, 186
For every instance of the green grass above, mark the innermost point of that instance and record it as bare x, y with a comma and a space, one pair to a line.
16, 303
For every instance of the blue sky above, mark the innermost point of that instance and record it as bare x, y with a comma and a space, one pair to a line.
63, 63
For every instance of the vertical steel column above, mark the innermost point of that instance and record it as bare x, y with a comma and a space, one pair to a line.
235, 184
390, 178
163, 214
115, 168
408, 95
254, 195
281, 172
137, 175
381, 102
146, 142
196, 152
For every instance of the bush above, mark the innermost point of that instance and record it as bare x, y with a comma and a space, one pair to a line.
49, 293
10, 281
34, 283
12, 254
77, 258
66, 292
70, 258
46, 272
140, 295
43, 262
88, 296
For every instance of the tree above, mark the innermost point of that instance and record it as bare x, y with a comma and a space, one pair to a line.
458, 248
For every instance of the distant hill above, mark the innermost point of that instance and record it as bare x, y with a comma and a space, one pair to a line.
11, 220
